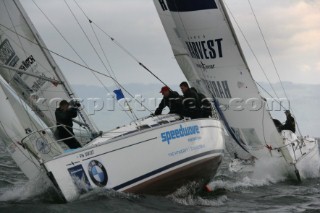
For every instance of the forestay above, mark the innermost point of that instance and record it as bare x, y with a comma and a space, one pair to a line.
23, 49
206, 35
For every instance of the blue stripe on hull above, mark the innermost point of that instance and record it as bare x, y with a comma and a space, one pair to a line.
191, 5
154, 172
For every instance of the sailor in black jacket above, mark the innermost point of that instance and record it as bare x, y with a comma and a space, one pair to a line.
64, 115
170, 99
290, 122
205, 105
191, 103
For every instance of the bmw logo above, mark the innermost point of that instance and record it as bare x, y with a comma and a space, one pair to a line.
98, 173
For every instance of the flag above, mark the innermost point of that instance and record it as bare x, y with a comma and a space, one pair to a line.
119, 94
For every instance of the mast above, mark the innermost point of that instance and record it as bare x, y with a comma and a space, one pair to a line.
53, 64
40, 62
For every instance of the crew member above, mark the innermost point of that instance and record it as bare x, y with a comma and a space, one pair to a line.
205, 105
191, 104
278, 124
290, 122
170, 99
64, 115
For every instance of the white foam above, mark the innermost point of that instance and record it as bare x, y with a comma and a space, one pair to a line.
187, 195
199, 201
27, 190
271, 170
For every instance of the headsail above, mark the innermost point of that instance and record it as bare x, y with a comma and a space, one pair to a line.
22, 48
206, 33
15, 124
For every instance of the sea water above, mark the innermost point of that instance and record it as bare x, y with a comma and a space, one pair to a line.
231, 192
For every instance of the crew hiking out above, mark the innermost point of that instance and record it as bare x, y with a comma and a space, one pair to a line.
172, 100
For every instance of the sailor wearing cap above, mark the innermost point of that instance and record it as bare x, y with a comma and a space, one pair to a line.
170, 99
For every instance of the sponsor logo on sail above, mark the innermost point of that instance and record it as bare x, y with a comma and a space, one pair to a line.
179, 133
220, 89
205, 66
7, 54
27, 63
98, 173
205, 49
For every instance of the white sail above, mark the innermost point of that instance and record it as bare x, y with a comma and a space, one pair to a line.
22, 48
15, 124
179, 51
23, 134
206, 33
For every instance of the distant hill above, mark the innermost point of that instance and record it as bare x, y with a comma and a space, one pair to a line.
304, 103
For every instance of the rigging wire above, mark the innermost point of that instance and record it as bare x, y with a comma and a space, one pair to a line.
268, 49
25, 53
105, 55
271, 58
76, 63
63, 37
48, 60
74, 50
114, 76
95, 50
121, 47
86, 35
18, 147
251, 49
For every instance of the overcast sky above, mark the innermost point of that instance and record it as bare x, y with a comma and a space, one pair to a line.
291, 29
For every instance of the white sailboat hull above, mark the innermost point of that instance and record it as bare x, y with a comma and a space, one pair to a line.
305, 153
302, 161
143, 162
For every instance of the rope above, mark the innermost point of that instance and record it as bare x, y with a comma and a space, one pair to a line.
76, 63
105, 56
118, 44
74, 50
265, 42
63, 37
271, 58
121, 47
18, 146
86, 35
132, 112
20, 43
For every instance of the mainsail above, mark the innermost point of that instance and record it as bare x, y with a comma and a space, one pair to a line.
22, 49
207, 36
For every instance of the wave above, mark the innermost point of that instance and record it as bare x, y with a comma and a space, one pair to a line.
30, 190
